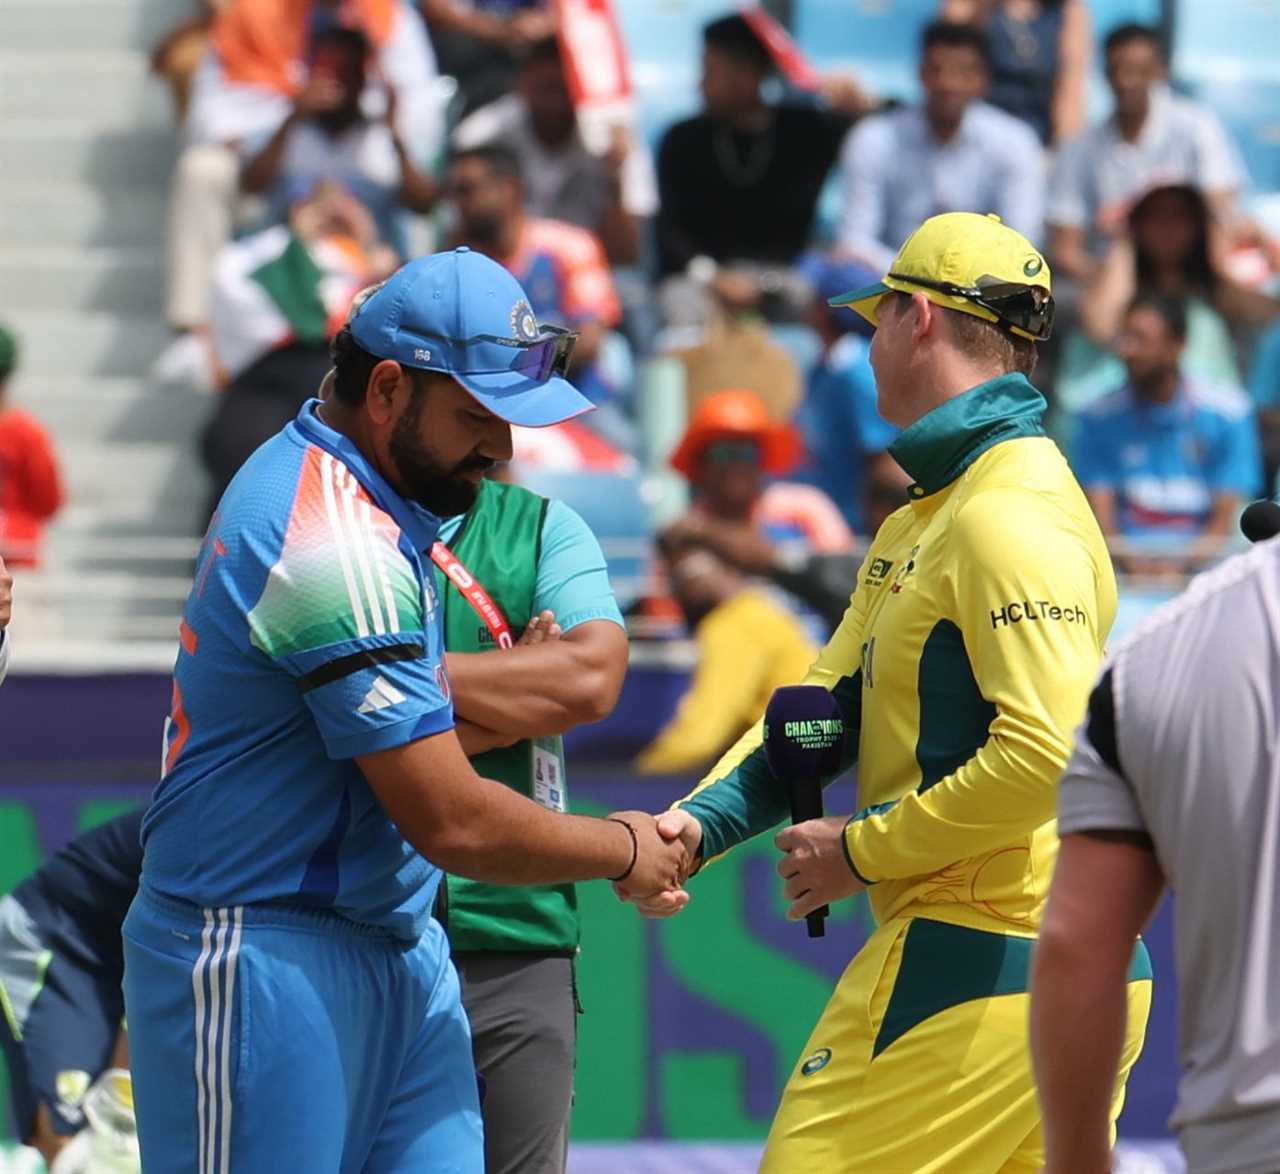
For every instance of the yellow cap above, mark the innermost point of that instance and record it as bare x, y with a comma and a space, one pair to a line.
956, 248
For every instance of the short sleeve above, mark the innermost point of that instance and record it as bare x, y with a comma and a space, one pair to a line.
1091, 453
573, 577
1094, 794
1219, 167
1068, 203
639, 183
589, 294
345, 614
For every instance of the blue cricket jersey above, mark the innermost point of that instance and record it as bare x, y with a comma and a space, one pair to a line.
311, 636
1166, 462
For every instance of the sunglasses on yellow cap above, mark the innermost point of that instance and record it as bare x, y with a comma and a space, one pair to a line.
1027, 308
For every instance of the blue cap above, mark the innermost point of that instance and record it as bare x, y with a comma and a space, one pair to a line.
465, 315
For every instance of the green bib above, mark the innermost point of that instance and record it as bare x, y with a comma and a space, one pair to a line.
499, 543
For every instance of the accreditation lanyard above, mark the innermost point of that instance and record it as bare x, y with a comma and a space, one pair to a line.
475, 594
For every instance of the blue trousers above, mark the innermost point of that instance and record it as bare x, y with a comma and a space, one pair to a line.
266, 1039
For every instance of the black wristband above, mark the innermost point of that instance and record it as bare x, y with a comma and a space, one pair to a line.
635, 849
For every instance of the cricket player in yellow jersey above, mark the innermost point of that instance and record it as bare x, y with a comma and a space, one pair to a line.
962, 667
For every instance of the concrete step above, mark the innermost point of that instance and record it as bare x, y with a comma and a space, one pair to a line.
67, 150
91, 344
90, 24
77, 214
101, 87
121, 280
124, 410
115, 477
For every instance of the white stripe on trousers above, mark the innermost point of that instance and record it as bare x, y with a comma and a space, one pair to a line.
217, 961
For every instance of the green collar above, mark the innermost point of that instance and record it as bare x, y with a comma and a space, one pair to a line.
941, 445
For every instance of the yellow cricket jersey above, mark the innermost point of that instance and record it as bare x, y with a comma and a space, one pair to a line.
964, 662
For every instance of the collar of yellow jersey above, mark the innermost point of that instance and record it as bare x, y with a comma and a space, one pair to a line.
941, 445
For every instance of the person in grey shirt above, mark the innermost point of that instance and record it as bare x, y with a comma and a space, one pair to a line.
953, 153
1175, 781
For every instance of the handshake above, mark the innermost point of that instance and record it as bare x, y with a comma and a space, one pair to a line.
667, 851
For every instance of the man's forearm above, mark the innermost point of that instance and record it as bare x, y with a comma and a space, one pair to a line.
1076, 1069
543, 689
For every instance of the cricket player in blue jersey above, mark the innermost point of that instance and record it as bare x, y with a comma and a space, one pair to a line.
291, 1002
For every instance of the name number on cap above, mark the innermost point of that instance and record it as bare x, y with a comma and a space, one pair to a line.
421, 355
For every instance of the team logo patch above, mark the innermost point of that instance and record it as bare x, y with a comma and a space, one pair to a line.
442, 682
1033, 266
523, 323
816, 1063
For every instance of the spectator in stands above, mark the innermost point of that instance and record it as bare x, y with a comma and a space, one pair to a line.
562, 267
177, 55
1151, 136
1169, 244
279, 296
326, 136
1166, 461
953, 153
845, 436
749, 644
1039, 54
30, 483
741, 180
247, 85
610, 195
729, 452
480, 42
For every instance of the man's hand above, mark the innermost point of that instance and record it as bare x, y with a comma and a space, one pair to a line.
815, 867
6, 595
541, 628
662, 864
676, 825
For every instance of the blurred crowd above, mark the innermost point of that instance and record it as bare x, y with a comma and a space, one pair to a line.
326, 141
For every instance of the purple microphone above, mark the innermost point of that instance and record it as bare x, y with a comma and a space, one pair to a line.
804, 744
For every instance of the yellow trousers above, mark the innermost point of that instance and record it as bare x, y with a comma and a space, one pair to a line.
920, 1063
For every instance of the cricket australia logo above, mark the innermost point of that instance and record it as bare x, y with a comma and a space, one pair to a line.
524, 326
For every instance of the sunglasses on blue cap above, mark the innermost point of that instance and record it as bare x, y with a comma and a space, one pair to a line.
537, 359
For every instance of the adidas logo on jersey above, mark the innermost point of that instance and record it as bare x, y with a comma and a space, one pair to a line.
381, 696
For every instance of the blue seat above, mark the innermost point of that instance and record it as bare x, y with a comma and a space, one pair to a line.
664, 50
1250, 110
613, 505
1226, 40
1110, 14
878, 40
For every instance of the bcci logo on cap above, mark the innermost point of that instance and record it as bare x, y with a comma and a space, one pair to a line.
524, 326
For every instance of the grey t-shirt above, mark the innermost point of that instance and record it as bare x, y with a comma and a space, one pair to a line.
1181, 742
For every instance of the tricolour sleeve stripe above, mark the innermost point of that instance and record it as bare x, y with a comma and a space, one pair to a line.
327, 476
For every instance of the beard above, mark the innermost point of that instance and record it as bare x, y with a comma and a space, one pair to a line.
441, 489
